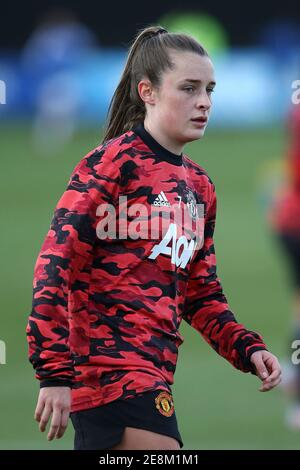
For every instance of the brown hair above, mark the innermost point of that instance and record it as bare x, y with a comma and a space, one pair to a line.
148, 57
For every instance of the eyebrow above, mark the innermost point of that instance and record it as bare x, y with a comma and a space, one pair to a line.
196, 81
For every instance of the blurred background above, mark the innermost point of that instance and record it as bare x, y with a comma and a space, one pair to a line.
59, 66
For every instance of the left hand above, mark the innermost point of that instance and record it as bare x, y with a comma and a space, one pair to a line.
267, 369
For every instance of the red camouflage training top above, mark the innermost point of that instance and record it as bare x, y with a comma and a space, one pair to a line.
106, 312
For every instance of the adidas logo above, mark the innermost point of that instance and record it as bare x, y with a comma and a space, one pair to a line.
161, 200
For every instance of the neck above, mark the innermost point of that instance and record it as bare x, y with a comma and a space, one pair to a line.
163, 140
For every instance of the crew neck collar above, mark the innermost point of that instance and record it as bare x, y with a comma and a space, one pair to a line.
156, 147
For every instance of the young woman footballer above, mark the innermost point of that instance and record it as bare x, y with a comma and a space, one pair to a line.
128, 255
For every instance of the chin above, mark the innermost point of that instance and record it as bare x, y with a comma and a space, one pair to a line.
195, 134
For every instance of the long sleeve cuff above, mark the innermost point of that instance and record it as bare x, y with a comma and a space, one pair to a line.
245, 354
56, 383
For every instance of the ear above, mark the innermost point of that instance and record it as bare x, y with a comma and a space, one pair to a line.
146, 91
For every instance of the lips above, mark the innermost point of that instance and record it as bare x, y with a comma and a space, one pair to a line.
200, 119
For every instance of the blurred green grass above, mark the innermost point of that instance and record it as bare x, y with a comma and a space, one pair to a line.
217, 406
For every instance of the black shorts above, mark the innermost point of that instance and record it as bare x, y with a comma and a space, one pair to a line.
291, 246
102, 427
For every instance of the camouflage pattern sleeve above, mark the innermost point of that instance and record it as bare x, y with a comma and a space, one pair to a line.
62, 268
206, 308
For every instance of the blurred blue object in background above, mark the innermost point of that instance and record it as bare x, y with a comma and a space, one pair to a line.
251, 89
281, 38
248, 91
62, 72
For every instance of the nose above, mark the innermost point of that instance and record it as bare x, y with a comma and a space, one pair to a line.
204, 101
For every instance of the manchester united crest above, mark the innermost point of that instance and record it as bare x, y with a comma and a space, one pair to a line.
191, 204
164, 403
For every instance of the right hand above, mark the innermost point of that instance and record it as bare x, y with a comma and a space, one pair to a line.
55, 400
268, 369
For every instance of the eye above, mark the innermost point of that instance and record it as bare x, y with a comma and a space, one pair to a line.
189, 89
210, 90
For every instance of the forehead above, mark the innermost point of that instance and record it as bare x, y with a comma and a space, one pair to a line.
189, 65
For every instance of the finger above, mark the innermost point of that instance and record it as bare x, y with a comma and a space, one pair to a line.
261, 369
266, 387
63, 424
55, 423
45, 417
273, 365
39, 410
274, 382
274, 375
